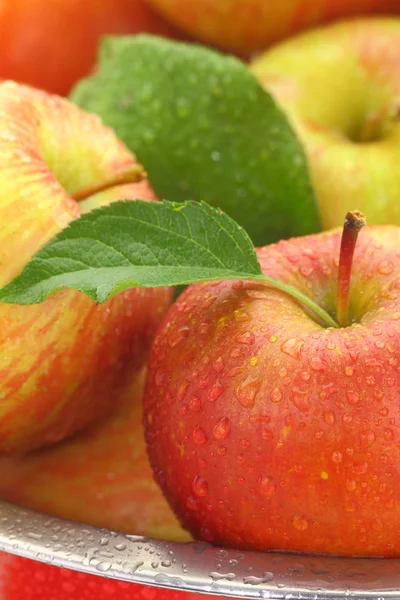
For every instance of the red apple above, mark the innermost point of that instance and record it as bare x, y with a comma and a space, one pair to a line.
245, 26
23, 579
101, 477
53, 44
267, 430
62, 363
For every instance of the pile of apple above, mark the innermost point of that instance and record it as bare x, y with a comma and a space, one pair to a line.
264, 428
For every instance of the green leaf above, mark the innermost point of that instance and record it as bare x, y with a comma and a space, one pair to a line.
204, 129
137, 243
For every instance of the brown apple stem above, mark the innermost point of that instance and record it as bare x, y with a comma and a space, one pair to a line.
134, 174
379, 122
353, 223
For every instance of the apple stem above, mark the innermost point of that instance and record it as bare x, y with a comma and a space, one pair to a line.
324, 317
133, 174
380, 121
353, 223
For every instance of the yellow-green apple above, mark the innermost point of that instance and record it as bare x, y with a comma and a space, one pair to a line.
51, 45
61, 363
23, 579
285, 432
340, 87
101, 477
245, 26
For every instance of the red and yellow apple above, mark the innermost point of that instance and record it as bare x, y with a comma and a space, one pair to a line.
340, 87
246, 26
101, 477
23, 579
267, 430
62, 363
51, 45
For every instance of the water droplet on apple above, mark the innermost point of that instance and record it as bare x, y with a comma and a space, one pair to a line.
178, 336
292, 347
385, 267
337, 456
276, 395
218, 364
222, 429
318, 364
300, 523
192, 503
360, 468
352, 397
215, 392
351, 485
246, 392
199, 437
195, 404
367, 437
388, 435
301, 400
200, 486
266, 485
329, 417
246, 338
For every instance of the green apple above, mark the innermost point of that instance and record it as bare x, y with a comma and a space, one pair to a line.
62, 363
340, 87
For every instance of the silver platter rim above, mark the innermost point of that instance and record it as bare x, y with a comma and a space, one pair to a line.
196, 566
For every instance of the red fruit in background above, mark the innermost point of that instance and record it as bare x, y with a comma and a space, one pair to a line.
52, 44
23, 579
285, 433
245, 26
102, 477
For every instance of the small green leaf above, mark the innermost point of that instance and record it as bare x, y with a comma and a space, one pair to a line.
205, 129
137, 243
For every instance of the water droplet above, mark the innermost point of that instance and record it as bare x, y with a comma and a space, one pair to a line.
192, 503
215, 392
199, 437
351, 485
388, 435
360, 468
337, 456
370, 380
318, 364
200, 486
252, 580
222, 429
293, 347
352, 397
301, 400
329, 417
266, 485
103, 566
305, 376
246, 338
300, 523
385, 267
276, 395
218, 365
178, 336
349, 371
246, 392
195, 403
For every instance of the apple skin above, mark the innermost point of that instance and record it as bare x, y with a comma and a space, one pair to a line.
247, 26
23, 579
283, 428
329, 82
51, 45
101, 477
63, 362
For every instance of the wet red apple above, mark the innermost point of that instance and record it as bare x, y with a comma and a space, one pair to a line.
267, 429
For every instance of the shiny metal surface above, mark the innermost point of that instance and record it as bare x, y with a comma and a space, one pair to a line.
195, 566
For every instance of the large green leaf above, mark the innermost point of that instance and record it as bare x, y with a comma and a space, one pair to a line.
204, 129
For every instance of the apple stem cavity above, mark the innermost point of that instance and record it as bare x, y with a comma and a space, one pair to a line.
379, 123
353, 223
133, 174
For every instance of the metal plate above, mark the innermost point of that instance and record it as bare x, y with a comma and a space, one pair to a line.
196, 566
